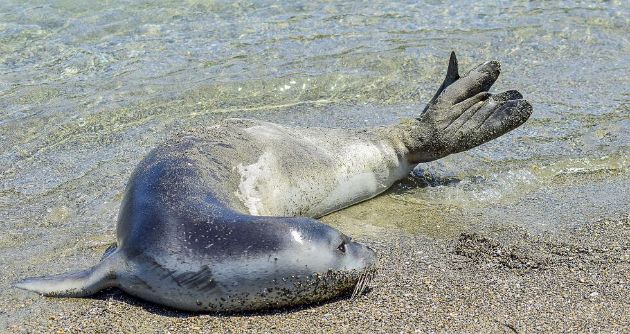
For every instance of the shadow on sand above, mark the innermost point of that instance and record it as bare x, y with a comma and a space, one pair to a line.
121, 296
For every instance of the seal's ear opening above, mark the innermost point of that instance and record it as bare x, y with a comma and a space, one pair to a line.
452, 74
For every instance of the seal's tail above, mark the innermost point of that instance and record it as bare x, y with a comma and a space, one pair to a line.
77, 284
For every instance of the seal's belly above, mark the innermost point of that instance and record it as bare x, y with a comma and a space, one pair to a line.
324, 180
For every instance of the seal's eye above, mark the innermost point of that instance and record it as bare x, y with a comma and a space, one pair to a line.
342, 247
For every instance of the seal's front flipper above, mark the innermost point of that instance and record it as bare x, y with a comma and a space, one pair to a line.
78, 284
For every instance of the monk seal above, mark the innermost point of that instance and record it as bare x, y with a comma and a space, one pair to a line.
223, 218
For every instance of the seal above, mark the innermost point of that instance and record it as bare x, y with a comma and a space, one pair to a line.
223, 218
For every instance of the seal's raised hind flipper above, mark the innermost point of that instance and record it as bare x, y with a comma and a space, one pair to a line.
463, 114
452, 74
78, 284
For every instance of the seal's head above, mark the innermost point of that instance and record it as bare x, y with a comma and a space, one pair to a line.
303, 261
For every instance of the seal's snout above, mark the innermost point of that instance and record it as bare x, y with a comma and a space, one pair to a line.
364, 255
367, 270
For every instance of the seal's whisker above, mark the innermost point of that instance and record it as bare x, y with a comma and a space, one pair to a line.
362, 283
368, 279
356, 288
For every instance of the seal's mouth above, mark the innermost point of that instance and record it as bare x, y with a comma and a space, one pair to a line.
362, 283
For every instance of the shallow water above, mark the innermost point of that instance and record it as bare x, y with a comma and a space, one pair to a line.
87, 89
